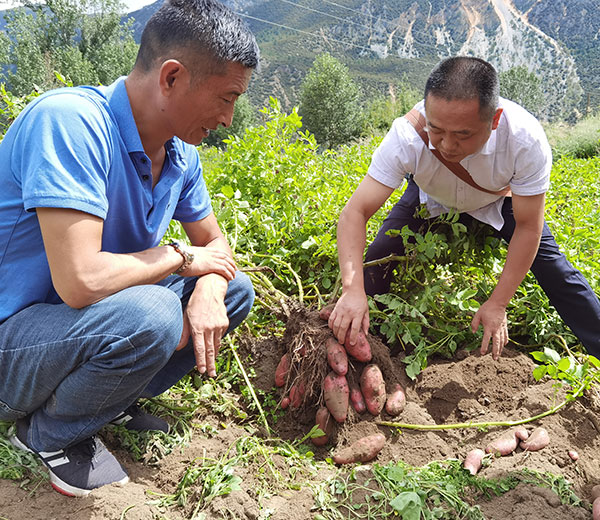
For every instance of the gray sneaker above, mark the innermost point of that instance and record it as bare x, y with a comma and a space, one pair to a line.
134, 418
77, 470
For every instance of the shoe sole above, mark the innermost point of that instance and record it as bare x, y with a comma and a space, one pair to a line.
59, 485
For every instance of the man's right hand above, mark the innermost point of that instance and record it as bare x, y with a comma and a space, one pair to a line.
350, 315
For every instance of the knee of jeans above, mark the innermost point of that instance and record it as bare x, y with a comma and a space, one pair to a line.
158, 318
240, 297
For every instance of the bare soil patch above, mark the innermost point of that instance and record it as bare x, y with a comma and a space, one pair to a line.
467, 388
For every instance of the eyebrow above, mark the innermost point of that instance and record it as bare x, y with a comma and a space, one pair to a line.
464, 132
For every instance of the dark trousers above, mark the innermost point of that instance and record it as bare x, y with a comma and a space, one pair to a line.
566, 288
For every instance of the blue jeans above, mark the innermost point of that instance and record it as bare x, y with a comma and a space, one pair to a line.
567, 289
73, 370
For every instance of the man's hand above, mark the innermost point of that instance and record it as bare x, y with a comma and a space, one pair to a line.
206, 320
211, 260
351, 313
495, 327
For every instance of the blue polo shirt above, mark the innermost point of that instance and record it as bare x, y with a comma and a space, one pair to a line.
79, 148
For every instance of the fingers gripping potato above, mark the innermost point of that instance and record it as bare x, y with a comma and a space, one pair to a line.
363, 450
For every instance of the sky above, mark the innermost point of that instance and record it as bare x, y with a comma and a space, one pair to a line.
132, 5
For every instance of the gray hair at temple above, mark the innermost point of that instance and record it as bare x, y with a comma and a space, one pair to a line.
464, 78
204, 35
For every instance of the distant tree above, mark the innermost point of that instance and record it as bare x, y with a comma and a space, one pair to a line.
329, 102
522, 87
244, 116
382, 110
84, 40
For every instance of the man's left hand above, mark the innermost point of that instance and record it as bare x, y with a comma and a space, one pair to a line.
495, 327
205, 319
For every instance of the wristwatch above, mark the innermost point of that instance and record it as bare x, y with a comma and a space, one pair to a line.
187, 255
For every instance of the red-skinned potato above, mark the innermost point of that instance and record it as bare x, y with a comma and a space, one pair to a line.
357, 399
361, 350
574, 455
372, 387
324, 421
596, 509
363, 450
538, 439
285, 402
503, 445
396, 401
336, 393
337, 357
326, 311
297, 395
473, 460
595, 492
282, 370
521, 433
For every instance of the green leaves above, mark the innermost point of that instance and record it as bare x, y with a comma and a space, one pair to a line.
408, 505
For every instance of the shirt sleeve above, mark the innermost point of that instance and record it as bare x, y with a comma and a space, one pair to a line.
396, 155
63, 152
533, 159
194, 202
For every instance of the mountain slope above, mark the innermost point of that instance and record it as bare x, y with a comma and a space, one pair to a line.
389, 42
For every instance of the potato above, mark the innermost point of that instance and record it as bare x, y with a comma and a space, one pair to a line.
336, 392
574, 455
373, 389
595, 492
361, 350
596, 509
324, 422
396, 401
503, 445
363, 450
537, 440
282, 370
297, 395
521, 433
326, 311
285, 402
337, 357
473, 461
357, 399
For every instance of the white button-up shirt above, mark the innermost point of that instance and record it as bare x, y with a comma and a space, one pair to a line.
517, 154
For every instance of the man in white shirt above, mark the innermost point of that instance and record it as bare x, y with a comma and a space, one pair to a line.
501, 146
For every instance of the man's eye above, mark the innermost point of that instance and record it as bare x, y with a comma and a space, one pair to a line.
226, 100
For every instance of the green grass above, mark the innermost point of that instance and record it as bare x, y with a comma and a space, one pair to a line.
578, 141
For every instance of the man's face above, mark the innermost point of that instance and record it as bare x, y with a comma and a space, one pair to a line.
206, 104
455, 127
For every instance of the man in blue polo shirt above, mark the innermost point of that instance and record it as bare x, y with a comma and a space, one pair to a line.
90, 317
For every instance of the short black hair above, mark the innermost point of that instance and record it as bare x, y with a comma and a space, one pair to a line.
203, 34
464, 78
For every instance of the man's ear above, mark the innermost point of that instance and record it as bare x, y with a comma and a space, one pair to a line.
496, 119
173, 74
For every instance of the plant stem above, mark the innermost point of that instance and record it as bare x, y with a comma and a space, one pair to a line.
250, 387
456, 426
